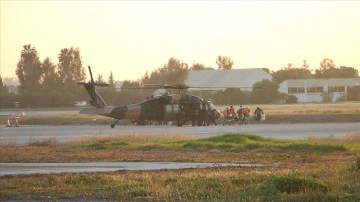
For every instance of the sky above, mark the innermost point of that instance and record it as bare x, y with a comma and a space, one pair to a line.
129, 38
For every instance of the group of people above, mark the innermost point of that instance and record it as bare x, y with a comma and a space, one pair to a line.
241, 115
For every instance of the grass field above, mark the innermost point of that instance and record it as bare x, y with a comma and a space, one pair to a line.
295, 170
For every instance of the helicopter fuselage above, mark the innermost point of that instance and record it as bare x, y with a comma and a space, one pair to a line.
174, 107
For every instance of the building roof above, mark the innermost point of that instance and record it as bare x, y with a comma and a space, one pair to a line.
322, 82
241, 78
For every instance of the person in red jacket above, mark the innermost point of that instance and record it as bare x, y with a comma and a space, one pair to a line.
246, 114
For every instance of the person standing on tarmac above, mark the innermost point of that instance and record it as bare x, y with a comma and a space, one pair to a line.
257, 114
240, 114
246, 114
232, 111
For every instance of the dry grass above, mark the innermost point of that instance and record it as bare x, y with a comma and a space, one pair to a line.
290, 174
318, 182
352, 137
8, 142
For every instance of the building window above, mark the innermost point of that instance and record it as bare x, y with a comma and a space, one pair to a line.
301, 90
292, 90
319, 89
336, 89
296, 90
315, 89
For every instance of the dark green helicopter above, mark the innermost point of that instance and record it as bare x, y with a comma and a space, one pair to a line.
181, 108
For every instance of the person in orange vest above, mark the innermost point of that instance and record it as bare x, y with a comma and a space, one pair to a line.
246, 113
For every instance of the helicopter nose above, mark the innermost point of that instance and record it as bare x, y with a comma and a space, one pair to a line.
217, 114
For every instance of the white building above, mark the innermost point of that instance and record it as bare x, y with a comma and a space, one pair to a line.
12, 84
241, 78
313, 90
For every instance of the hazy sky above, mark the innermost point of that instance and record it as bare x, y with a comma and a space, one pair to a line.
130, 37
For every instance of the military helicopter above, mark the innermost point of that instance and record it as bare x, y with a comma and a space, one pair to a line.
180, 108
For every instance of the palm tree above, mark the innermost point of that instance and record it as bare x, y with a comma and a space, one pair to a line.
70, 66
28, 68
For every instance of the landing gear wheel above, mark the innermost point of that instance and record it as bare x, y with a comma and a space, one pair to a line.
113, 124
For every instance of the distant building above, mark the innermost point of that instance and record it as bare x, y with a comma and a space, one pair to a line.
12, 84
313, 90
117, 85
222, 79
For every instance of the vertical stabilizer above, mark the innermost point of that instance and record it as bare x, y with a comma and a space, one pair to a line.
96, 99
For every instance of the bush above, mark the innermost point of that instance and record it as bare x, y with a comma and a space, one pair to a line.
293, 184
291, 99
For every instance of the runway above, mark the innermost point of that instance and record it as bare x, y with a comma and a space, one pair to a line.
26, 134
52, 168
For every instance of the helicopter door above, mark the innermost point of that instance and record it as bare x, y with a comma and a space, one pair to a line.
171, 111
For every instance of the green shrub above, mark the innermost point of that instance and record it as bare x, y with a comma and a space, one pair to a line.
96, 145
234, 138
293, 184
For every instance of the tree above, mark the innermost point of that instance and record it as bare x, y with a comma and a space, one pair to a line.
236, 96
50, 77
327, 63
70, 72
327, 69
3, 89
198, 66
111, 80
224, 62
29, 69
267, 70
70, 67
348, 72
100, 79
3, 94
174, 72
291, 73
129, 95
265, 92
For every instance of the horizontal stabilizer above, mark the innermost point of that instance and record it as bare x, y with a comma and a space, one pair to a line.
105, 111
